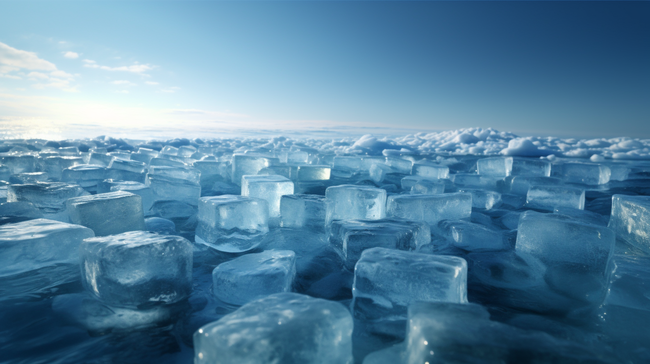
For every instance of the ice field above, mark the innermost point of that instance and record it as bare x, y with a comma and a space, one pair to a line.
463, 246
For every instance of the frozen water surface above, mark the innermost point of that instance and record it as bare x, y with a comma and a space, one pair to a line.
468, 245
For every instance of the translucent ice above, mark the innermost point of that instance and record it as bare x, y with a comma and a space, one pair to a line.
49, 197
286, 328
431, 208
232, 223
85, 175
270, 188
107, 213
585, 173
430, 170
630, 219
246, 164
355, 202
474, 237
303, 211
495, 166
441, 332
531, 167
34, 244
351, 237
386, 281
549, 197
166, 188
253, 276
137, 269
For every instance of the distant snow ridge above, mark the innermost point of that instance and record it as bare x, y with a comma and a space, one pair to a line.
488, 141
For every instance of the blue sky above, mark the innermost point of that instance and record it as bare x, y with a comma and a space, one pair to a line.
552, 68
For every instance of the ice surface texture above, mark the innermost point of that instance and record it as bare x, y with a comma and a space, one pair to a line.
286, 328
386, 281
137, 269
270, 188
351, 237
107, 213
254, 276
630, 220
232, 223
34, 244
303, 211
431, 208
355, 202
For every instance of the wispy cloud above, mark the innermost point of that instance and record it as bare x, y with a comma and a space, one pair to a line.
35, 69
123, 82
18, 59
71, 55
152, 83
135, 68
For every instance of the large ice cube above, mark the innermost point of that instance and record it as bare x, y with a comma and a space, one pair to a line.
286, 328
355, 202
184, 173
519, 185
549, 197
430, 170
386, 281
85, 175
253, 276
441, 332
166, 188
577, 255
34, 244
585, 173
431, 208
137, 268
555, 238
303, 211
630, 219
18, 163
54, 166
232, 223
247, 164
351, 237
494, 166
108, 213
270, 188
136, 188
434, 186
49, 197
531, 167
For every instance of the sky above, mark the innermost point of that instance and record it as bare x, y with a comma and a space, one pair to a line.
209, 68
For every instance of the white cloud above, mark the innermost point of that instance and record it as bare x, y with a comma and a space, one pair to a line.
17, 58
61, 74
123, 82
11, 76
38, 76
170, 89
135, 68
152, 83
71, 55
44, 73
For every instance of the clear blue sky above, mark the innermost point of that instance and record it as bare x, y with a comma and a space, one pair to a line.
556, 68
